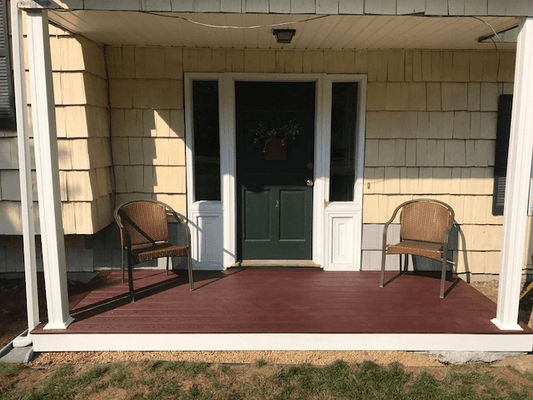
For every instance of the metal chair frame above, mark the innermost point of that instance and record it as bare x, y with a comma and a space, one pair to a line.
444, 251
127, 247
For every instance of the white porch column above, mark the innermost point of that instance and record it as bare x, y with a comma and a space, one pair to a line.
46, 158
26, 192
517, 183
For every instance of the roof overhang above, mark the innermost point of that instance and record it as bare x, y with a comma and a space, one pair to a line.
254, 31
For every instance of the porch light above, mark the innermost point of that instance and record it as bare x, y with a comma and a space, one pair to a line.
284, 35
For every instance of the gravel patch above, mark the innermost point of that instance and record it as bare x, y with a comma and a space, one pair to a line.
408, 359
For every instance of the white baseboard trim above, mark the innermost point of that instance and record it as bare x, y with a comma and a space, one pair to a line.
212, 342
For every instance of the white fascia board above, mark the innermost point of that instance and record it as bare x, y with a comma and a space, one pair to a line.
307, 341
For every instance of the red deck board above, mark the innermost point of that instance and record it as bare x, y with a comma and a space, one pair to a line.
279, 301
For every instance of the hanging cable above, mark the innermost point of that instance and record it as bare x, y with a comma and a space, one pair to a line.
494, 33
233, 26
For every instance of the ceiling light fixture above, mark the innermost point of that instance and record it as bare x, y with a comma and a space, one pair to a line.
284, 35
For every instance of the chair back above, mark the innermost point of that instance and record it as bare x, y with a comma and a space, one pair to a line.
144, 220
426, 221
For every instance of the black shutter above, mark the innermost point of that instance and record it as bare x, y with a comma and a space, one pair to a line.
503, 132
7, 100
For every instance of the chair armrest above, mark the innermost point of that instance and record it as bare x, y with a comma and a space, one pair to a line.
449, 228
386, 227
124, 234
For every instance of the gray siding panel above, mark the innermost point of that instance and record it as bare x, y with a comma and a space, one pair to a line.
512, 8
327, 7
373, 235
280, 6
256, 6
436, 7
182, 5
410, 6
207, 6
234, 6
380, 7
123, 5
156, 5
456, 7
303, 6
476, 7
351, 6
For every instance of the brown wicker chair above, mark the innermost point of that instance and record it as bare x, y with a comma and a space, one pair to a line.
144, 236
425, 225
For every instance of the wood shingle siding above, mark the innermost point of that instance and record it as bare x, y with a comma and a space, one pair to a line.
82, 116
431, 129
359, 7
80, 87
146, 95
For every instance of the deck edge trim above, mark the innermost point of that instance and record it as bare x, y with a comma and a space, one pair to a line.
251, 342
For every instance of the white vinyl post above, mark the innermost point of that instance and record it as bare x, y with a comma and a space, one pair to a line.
26, 192
517, 183
46, 158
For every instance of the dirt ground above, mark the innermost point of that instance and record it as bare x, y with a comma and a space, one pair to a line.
13, 322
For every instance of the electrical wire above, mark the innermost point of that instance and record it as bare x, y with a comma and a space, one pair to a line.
235, 27
493, 31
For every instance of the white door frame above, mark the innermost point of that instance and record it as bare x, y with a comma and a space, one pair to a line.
226, 209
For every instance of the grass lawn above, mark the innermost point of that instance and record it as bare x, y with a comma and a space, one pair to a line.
196, 380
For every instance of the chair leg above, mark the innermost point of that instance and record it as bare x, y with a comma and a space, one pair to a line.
382, 276
168, 260
122, 265
443, 275
130, 280
189, 267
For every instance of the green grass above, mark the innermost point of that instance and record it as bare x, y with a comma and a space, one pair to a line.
260, 363
191, 368
193, 380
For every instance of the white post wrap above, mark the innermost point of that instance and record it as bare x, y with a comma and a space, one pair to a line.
517, 183
46, 158
26, 192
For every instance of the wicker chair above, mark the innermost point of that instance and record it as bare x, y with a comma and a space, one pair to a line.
425, 225
144, 236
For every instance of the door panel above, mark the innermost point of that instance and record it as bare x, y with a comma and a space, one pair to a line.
292, 210
274, 202
257, 224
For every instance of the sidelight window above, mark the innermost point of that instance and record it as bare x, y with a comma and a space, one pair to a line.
343, 141
206, 140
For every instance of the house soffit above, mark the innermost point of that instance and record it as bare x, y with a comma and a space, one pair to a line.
254, 31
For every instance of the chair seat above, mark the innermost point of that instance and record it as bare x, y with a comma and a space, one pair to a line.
424, 249
146, 252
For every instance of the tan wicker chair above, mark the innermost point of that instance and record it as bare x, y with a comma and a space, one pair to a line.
144, 236
425, 225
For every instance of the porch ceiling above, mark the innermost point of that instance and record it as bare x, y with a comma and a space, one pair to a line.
313, 32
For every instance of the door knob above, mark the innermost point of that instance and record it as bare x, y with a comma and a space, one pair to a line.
309, 182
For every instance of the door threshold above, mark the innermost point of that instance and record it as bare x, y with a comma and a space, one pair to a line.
275, 264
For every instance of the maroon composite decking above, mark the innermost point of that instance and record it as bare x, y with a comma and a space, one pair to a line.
279, 301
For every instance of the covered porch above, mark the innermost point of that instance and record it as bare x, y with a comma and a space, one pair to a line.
304, 309
280, 309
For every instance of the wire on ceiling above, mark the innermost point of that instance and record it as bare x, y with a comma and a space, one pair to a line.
236, 27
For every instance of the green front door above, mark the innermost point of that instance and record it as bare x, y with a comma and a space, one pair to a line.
275, 136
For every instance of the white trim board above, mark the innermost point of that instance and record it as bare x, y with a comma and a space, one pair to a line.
213, 342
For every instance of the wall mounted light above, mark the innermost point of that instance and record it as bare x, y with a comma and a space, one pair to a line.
284, 35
